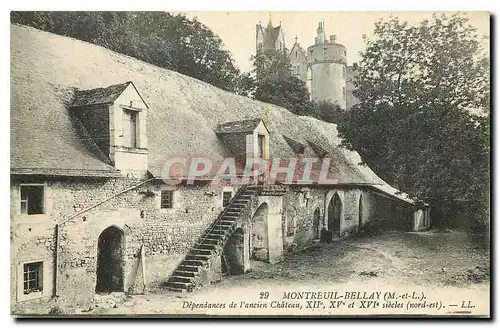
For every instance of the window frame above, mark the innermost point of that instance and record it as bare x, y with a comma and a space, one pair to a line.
225, 192
26, 201
131, 112
172, 199
44, 281
38, 273
261, 145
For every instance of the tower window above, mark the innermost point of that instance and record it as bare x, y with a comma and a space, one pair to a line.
32, 199
343, 72
297, 70
345, 96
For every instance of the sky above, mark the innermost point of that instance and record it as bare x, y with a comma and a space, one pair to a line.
237, 29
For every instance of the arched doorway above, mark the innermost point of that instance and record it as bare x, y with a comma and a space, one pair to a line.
110, 262
316, 223
233, 257
334, 215
259, 243
360, 212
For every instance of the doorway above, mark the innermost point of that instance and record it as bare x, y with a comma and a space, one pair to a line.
233, 257
334, 215
110, 264
260, 248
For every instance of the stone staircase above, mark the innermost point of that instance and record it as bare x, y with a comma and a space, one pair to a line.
186, 277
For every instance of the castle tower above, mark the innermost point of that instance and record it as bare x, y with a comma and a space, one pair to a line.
269, 38
327, 70
298, 59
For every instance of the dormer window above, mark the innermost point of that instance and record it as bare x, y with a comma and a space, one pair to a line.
260, 145
248, 138
129, 128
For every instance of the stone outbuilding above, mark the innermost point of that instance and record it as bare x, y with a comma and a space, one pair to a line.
91, 211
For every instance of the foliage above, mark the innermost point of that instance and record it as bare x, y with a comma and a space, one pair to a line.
328, 111
170, 41
275, 83
422, 121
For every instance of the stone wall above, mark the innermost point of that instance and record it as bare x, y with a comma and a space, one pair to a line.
167, 234
299, 207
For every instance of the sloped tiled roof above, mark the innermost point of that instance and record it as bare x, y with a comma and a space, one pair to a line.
183, 114
99, 95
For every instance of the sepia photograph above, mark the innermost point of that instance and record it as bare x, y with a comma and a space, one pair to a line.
249, 164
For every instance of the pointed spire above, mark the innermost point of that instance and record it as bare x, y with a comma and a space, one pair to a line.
270, 21
296, 39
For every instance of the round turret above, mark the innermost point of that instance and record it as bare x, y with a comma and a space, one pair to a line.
327, 61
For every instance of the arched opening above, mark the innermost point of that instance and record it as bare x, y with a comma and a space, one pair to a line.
233, 256
259, 245
110, 260
316, 223
334, 215
360, 212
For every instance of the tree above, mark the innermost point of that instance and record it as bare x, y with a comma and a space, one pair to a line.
328, 111
422, 118
275, 83
170, 41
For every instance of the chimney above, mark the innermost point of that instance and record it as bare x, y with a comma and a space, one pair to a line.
333, 38
321, 33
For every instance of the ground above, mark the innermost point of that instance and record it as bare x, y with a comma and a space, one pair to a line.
443, 265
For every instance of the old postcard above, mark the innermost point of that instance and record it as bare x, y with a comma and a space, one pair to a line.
246, 164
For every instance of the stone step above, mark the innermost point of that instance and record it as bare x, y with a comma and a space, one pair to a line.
198, 257
218, 231
198, 251
193, 262
181, 285
243, 198
180, 279
207, 246
180, 273
237, 206
214, 236
178, 290
191, 268
227, 217
212, 241
232, 212
225, 222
